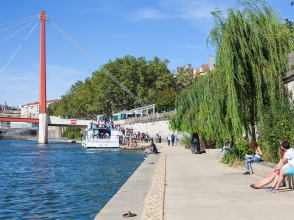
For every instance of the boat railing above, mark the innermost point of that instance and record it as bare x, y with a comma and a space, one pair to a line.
103, 140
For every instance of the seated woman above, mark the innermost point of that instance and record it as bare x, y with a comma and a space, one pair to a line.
152, 149
281, 173
135, 143
252, 158
272, 175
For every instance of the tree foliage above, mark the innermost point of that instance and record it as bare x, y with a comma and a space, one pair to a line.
252, 49
184, 79
98, 94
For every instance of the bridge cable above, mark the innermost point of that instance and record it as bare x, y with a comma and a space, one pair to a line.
18, 48
18, 31
96, 62
18, 20
17, 25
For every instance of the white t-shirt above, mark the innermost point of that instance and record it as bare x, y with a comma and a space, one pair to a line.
290, 156
257, 155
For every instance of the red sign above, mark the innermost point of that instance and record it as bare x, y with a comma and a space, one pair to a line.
73, 122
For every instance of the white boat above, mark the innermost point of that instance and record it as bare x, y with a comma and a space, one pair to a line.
98, 136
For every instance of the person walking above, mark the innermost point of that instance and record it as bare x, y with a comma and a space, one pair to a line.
173, 139
168, 139
176, 139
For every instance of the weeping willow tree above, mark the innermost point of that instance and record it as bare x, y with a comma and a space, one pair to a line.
252, 48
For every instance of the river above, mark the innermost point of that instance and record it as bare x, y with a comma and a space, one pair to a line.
60, 180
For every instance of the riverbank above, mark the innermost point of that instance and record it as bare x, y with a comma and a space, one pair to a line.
63, 141
136, 193
195, 186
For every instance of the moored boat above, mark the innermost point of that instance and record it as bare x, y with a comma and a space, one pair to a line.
99, 135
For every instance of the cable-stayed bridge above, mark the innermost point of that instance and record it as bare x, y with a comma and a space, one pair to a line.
43, 120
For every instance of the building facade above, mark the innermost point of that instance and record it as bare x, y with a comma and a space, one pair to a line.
200, 71
33, 108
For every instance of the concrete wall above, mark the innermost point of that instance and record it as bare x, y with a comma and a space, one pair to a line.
55, 131
154, 127
56, 121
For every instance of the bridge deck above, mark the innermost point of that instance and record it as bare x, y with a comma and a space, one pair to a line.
18, 119
52, 121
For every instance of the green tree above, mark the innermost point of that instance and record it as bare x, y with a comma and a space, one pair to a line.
166, 98
184, 79
252, 49
99, 94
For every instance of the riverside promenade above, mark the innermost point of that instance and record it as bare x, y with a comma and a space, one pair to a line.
197, 186
200, 187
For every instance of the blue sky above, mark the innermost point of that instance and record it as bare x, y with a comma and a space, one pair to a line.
170, 29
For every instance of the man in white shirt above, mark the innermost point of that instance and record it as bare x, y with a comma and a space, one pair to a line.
281, 173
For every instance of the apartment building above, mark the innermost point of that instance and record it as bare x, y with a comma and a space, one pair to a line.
33, 108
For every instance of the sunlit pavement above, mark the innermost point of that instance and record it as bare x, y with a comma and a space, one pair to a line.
199, 187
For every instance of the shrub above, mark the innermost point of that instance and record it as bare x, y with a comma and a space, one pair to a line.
72, 133
186, 141
277, 124
237, 153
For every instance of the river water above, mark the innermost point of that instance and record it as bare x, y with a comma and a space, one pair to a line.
60, 181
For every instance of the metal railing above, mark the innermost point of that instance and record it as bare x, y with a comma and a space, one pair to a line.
18, 116
103, 140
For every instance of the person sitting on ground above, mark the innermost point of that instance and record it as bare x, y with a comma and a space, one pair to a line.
226, 145
149, 150
154, 149
272, 175
252, 158
287, 171
135, 143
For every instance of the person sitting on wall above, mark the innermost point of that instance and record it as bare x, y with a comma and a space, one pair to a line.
272, 175
252, 158
226, 145
281, 173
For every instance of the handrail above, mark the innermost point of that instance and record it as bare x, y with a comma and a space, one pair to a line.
18, 115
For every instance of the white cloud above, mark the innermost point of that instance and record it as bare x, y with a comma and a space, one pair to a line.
190, 46
147, 13
59, 70
190, 10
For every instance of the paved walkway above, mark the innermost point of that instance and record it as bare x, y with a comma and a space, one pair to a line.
132, 195
199, 187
